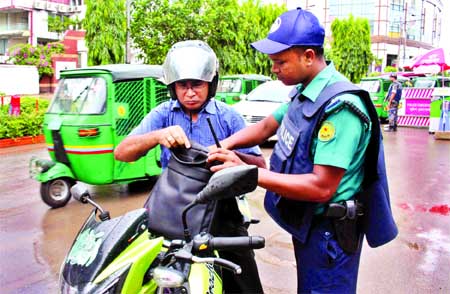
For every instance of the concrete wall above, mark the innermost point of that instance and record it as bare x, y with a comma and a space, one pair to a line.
19, 79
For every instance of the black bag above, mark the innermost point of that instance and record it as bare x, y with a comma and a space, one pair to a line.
186, 174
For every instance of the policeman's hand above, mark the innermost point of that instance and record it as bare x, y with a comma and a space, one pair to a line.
228, 157
173, 136
214, 147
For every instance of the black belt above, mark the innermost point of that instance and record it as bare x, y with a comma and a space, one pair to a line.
349, 209
345, 209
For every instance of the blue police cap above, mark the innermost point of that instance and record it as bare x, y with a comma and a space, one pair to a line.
294, 27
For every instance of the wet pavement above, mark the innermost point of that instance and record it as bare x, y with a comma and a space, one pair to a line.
34, 238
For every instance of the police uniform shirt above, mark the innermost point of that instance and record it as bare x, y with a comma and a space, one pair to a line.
342, 138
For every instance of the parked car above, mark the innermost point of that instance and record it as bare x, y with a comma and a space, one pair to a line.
263, 101
234, 88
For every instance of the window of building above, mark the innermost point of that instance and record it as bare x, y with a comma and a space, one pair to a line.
391, 59
358, 8
397, 5
14, 21
76, 2
3, 43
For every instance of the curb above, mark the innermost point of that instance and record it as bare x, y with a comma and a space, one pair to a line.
12, 142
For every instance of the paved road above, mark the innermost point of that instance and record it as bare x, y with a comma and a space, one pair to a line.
34, 238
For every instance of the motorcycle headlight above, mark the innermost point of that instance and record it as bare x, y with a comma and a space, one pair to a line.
168, 277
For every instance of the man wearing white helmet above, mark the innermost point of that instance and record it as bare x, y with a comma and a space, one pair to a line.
191, 74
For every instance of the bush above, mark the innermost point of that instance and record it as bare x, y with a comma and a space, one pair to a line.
374, 74
39, 56
390, 69
28, 123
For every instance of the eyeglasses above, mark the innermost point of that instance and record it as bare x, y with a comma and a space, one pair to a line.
196, 86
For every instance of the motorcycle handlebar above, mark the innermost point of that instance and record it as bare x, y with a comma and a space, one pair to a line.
233, 243
236, 269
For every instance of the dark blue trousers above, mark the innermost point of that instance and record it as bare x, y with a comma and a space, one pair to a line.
322, 265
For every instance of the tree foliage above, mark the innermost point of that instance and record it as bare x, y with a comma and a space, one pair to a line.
227, 26
350, 47
61, 23
105, 24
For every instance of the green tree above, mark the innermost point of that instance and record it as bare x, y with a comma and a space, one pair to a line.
227, 26
59, 24
246, 23
105, 25
350, 47
157, 24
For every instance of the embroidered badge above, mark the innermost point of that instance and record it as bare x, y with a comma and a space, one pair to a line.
327, 131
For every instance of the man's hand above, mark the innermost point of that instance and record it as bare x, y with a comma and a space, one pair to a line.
173, 136
228, 157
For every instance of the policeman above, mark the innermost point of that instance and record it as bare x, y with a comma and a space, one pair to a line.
326, 184
393, 97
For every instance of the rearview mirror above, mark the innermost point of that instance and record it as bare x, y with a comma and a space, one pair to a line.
229, 182
80, 192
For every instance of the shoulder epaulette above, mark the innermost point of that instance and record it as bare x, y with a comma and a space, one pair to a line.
337, 104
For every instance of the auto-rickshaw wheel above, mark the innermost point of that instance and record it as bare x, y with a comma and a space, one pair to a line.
56, 193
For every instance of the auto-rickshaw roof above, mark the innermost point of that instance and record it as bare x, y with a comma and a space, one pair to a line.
433, 78
121, 72
257, 77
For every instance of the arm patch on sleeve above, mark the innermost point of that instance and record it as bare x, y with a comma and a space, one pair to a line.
327, 131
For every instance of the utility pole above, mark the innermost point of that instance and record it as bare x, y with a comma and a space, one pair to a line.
402, 36
405, 32
127, 45
399, 44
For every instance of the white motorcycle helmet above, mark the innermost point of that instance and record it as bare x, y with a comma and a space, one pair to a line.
191, 60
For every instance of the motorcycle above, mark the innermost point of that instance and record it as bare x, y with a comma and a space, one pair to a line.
121, 255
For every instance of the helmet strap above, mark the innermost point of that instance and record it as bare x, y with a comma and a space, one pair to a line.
212, 86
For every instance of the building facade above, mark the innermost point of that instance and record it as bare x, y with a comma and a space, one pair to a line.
26, 21
400, 29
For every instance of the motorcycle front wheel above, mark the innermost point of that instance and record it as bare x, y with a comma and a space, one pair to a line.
56, 193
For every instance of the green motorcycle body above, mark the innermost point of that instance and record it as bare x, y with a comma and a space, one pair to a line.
118, 255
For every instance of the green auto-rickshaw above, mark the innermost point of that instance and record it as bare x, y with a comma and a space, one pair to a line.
92, 110
378, 87
234, 88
